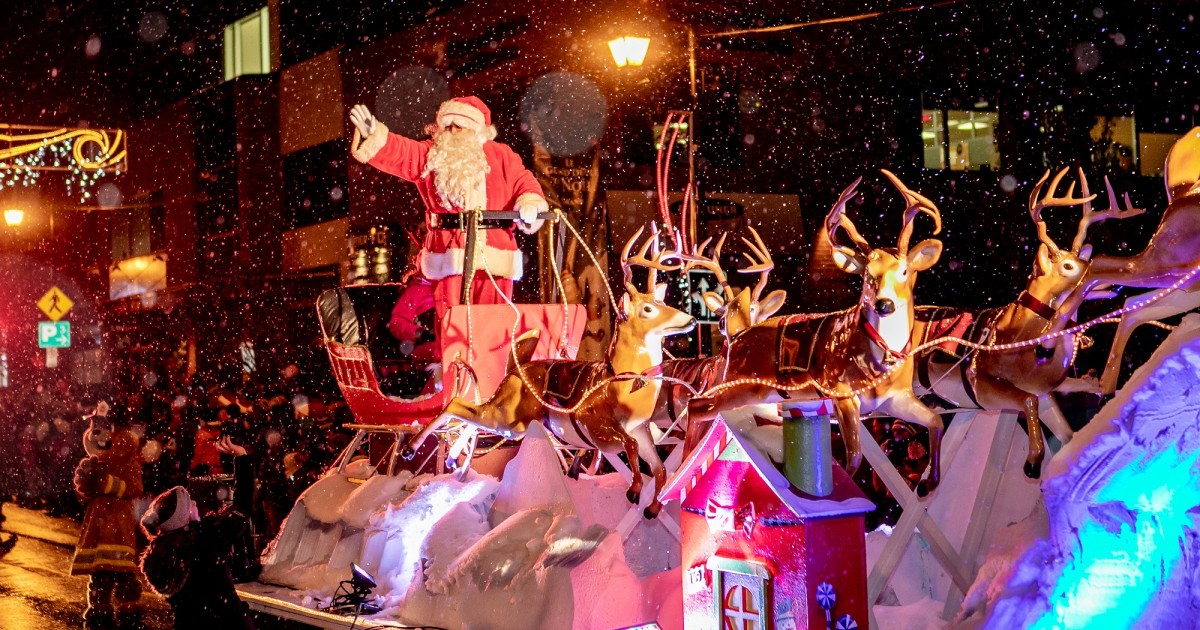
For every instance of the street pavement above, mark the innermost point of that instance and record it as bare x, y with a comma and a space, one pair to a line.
35, 591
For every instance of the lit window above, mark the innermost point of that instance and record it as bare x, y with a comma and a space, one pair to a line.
1114, 144
248, 45
960, 140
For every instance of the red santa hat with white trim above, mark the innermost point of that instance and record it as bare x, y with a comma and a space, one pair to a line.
468, 112
169, 511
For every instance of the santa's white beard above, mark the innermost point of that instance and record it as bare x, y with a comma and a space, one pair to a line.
459, 169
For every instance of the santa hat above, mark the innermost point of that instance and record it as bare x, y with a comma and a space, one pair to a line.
467, 112
168, 512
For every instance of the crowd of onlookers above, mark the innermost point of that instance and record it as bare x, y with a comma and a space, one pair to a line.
255, 445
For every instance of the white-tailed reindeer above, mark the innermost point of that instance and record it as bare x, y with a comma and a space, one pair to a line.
738, 309
614, 417
1172, 253
859, 355
1015, 379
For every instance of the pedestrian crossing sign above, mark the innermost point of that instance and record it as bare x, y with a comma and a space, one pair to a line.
55, 304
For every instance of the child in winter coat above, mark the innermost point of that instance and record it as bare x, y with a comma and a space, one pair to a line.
188, 562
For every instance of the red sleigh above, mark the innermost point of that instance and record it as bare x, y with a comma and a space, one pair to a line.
363, 354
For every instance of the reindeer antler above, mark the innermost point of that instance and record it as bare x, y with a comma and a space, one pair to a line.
1049, 201
711, 263
654, 263
1115, 211
762, 266
916, 203
837, 220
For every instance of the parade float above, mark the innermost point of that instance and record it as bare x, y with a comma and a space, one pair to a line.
745, 520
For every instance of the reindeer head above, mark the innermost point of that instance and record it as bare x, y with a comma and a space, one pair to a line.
888, 274
739, 309
645, 314
1057, 272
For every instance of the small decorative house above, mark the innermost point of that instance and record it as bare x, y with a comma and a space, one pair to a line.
759, 553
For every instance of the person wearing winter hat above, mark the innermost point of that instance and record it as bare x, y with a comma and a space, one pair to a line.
459, 168
188, 561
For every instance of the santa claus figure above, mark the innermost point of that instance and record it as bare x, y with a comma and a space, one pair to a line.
460, 168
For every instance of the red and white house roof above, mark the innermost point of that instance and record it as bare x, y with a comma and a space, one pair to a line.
723, 446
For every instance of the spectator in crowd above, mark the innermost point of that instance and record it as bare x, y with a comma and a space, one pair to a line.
189, 562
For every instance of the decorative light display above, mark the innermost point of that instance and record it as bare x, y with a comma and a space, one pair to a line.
85, 155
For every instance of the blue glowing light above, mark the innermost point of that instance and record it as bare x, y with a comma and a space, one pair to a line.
1129, 546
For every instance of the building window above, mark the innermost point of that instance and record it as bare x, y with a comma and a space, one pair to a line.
960, 140
139, 228
248, 45
1114, 144
315, 184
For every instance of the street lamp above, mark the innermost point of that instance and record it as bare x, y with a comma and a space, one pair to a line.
13, 217
629, 51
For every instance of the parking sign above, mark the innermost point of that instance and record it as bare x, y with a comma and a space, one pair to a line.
54, 334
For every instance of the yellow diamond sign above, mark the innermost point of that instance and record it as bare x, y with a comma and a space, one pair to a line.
55, 304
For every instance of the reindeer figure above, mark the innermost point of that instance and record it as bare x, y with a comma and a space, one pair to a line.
1015, 379
1172, 253
858, 355
612, 418
738, 309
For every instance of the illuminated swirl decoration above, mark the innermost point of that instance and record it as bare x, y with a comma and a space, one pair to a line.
84, 154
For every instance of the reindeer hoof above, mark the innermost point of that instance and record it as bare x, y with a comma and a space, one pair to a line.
651, 512
632, 496
1032, 470
925, 486
408, 453
451, 464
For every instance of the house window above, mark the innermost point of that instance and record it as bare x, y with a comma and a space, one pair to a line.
960, 140
248, 45
741, 593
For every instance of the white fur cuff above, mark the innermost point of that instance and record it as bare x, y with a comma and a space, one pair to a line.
370, 146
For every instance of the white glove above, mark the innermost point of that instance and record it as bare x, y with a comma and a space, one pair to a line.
528, 206
362, 119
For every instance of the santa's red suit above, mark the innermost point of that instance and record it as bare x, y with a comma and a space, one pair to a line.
508, 186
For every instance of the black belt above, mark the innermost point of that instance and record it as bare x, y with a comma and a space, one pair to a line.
447, 221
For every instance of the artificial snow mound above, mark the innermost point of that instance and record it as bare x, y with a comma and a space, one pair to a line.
1122, 549
536, 550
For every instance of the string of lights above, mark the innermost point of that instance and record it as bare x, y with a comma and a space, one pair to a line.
85, 155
